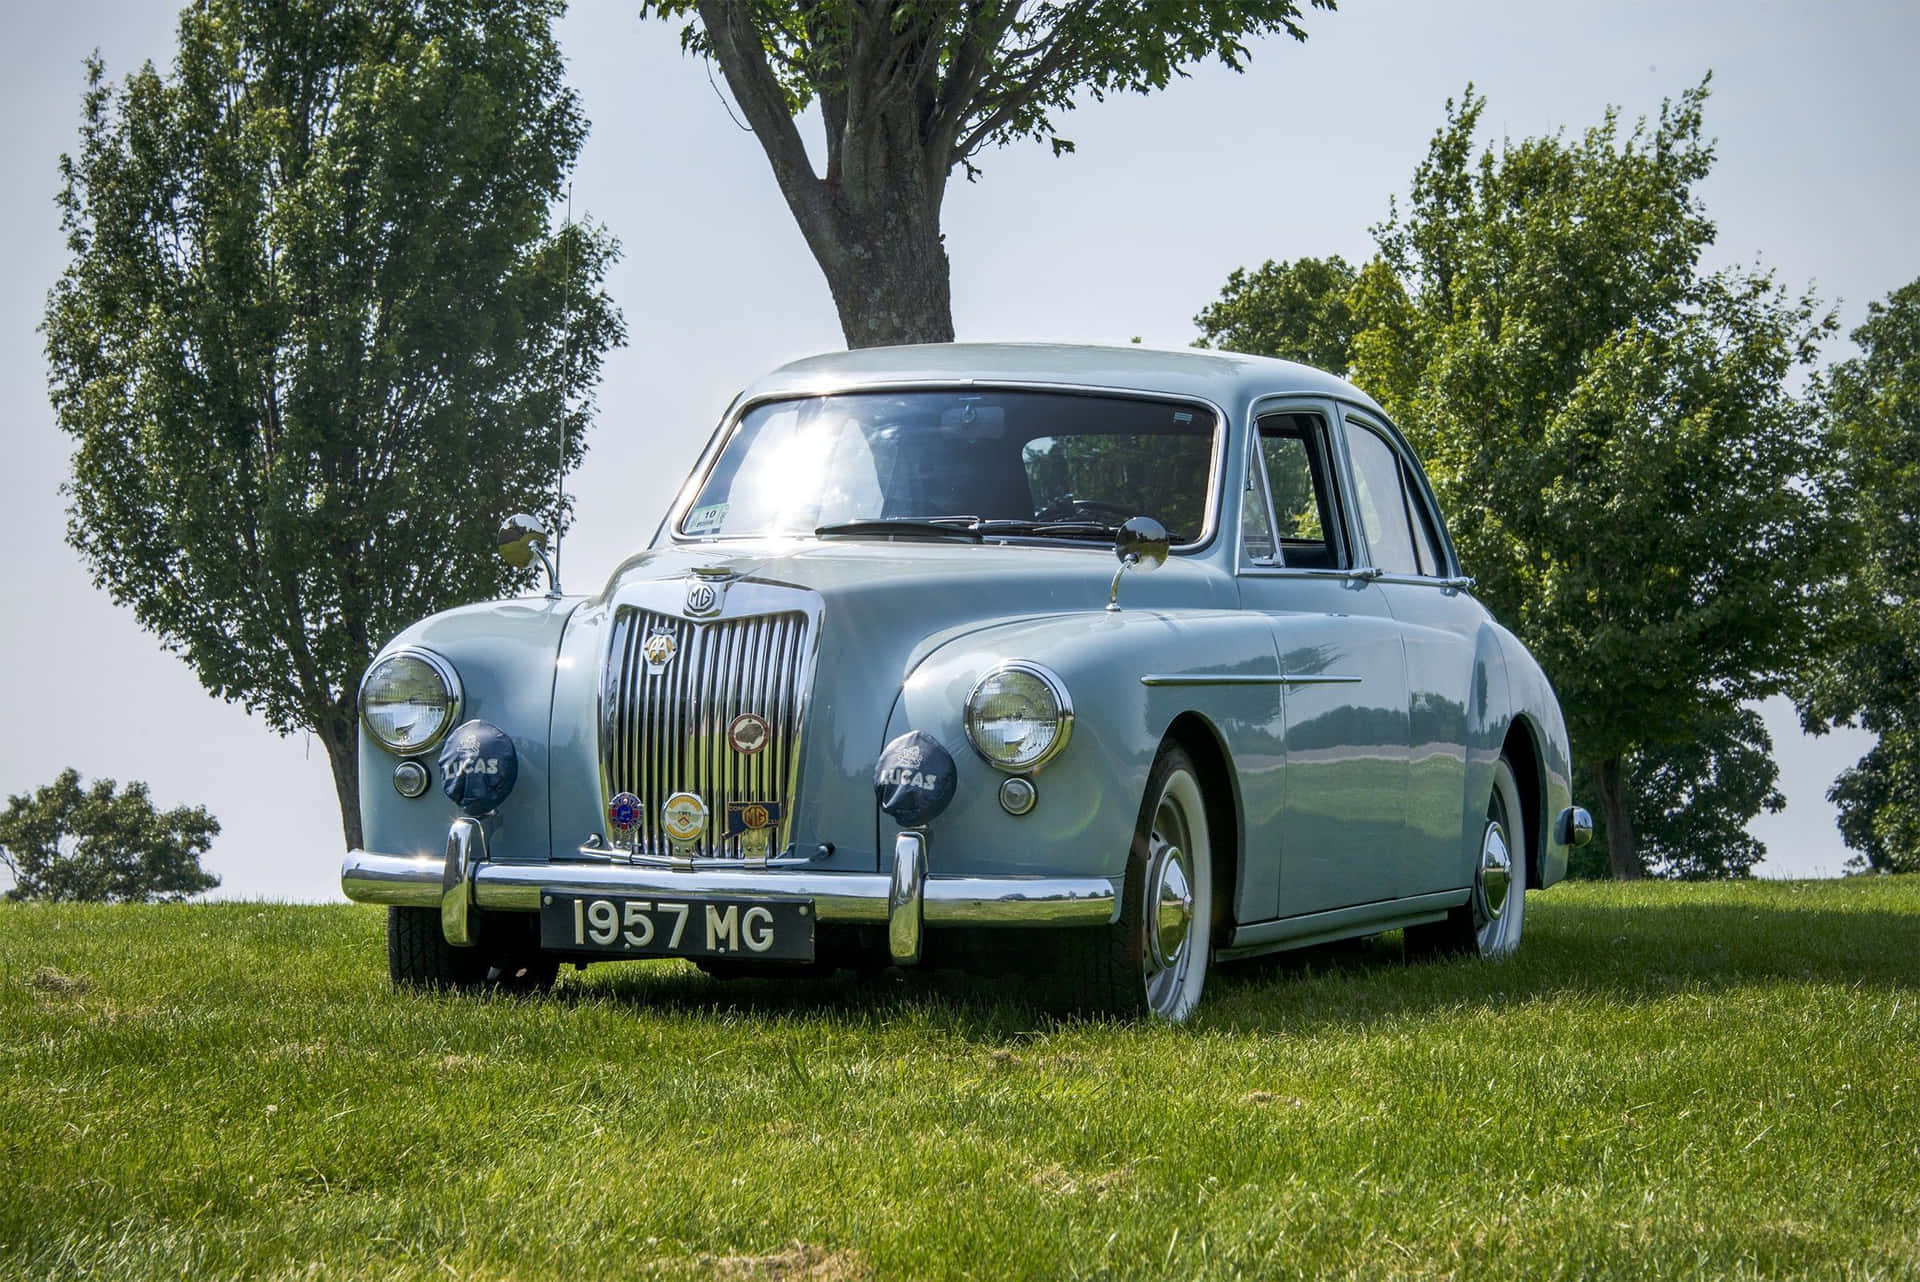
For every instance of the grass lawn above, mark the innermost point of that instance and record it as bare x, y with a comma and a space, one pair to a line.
1667, 1081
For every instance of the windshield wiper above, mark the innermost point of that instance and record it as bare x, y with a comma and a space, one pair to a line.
935, 527
1050, 529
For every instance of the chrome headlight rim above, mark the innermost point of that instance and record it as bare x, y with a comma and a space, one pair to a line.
449, 678
1064, 718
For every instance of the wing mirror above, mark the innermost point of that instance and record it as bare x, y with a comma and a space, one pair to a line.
1141, 542
522, 539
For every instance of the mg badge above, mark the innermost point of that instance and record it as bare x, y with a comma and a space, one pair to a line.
659, 650
748, 733
702, 598
623, 812
684, 818
753, 823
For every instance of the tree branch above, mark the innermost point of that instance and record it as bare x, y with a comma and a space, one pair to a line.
741, 52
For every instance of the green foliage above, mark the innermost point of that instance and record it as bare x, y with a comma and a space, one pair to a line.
1692, 799
1298, 311
1667, 1081
101, 845
318, 335
1872, 674
908, 90
1609, 428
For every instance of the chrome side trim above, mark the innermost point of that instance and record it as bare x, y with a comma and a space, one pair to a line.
1258, 937
1247, 679
904, 897
369, 877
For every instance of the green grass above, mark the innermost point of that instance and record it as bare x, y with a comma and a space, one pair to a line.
1668, 1081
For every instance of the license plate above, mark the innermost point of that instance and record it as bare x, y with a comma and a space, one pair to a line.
769, 929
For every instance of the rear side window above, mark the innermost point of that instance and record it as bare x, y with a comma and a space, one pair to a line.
1380, 493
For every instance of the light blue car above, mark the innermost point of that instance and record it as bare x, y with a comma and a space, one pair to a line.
879, 693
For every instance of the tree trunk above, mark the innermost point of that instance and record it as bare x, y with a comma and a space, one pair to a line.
1623, 856
340, 733
890, 278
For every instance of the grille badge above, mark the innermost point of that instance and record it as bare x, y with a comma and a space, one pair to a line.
659, 650
684, 818
749, 733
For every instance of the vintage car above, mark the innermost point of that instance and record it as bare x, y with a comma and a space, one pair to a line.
878, 694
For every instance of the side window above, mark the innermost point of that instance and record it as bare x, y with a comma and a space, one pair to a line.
1382, 502
1293, 451
1426, 537
1256, 530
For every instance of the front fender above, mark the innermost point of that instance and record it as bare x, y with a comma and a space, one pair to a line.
1089, 795
504, 653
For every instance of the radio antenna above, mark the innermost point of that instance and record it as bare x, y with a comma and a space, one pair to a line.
566, 387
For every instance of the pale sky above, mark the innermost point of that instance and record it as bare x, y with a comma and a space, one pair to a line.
1815, 107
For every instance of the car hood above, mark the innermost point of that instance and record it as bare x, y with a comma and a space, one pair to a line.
884, 607
893, 598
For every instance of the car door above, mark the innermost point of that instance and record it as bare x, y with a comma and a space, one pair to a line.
1342, 663
1439, 625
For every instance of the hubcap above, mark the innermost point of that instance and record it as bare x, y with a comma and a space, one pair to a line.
1173, 910
1496, 870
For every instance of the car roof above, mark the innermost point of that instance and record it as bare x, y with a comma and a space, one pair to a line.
1229, 379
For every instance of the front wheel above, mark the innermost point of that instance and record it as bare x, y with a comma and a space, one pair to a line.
1488, 924
1153, 961
419, 956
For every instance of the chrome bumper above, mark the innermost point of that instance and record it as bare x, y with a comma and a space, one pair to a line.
900, 900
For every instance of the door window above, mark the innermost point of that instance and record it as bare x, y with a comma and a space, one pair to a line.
1382, 501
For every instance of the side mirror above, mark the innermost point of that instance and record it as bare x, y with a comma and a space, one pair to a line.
1140, 542
521, 540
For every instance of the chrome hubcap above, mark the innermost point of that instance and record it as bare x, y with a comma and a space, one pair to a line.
1173, 907
1496, 870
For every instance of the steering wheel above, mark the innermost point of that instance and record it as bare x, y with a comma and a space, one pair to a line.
1072, 508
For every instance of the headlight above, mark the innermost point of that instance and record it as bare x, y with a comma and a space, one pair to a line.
409, 699
1019, 716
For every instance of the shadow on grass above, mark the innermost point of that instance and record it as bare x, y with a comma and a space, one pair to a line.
1573, 950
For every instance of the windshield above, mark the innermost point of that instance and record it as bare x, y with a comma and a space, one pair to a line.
1061, 463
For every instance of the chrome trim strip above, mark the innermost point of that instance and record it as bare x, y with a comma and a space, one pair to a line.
1258, 937
368, 877
1247, 679
741, 407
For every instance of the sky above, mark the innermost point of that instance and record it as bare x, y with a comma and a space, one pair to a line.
1815, 109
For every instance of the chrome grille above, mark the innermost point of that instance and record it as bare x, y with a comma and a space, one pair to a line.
666, 731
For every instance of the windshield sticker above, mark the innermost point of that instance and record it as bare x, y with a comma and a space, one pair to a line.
705, 520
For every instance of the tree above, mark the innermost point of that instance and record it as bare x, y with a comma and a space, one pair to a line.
1611, 434
1299, 311
1692, 799
1872, 674
910, 90
318, 334
101, 846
